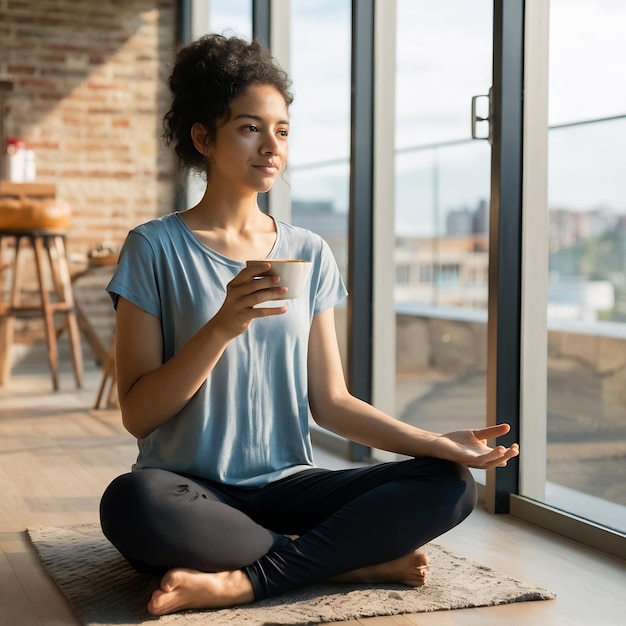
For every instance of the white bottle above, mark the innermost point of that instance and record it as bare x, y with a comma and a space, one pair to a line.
30, 166
15, 160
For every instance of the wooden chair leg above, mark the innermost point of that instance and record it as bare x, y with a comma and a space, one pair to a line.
108, 377
112, 400
63, 287
6, 341
7, 323
48, 313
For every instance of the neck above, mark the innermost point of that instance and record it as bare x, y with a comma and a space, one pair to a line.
227, 211
234, 227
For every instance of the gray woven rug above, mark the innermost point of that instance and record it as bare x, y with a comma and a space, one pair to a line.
104, 590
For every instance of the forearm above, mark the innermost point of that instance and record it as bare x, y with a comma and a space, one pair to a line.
362, 423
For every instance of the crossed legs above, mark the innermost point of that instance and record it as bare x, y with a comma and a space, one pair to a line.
219, 545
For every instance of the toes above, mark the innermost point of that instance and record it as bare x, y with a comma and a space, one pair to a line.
155, 606
169, 581
420, 559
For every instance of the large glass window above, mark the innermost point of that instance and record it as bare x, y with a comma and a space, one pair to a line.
226, 17
230, 17
444, 58
586, 412
318, 170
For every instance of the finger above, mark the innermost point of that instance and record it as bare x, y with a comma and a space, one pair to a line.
509, 454
257, 268
498, 455
266, 283
252, 269
258, 297
491, 432
503, 460
493, 456
242, 290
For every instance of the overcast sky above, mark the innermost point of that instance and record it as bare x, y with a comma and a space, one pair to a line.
443, 59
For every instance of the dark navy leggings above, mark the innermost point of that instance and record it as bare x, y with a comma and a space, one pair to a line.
346, 519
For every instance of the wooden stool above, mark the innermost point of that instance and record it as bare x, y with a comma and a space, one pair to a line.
50, 261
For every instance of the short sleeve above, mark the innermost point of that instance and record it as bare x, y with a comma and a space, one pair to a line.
136, 276
331, 289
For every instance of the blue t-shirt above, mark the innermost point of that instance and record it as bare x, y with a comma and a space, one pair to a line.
248, 424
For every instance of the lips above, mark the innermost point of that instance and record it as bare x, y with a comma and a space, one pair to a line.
267, 168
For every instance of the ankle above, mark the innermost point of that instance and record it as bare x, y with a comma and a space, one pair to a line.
240, 586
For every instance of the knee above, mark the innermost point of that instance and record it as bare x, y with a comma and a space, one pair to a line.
124, 522
455, 488
118, 506
128, 510
469, 492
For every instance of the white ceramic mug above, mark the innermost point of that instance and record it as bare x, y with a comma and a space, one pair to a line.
293, 274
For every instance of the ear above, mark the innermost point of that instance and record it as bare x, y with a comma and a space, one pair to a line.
199, 138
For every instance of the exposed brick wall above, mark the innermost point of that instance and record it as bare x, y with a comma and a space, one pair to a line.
89, 93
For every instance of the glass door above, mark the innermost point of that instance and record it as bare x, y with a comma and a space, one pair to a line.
319, 154
443, 185
226, 17
586, 286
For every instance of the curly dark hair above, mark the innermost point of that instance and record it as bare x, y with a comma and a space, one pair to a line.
208, 75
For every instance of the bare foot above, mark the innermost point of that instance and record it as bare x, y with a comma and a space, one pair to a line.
409, 569
189, 589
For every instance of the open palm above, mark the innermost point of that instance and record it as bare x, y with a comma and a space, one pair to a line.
470, 448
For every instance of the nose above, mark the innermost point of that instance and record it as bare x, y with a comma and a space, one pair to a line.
270, 144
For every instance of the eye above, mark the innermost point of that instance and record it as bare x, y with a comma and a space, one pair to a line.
251, 128
283, 132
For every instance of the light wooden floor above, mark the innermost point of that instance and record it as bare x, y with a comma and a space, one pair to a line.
57, 456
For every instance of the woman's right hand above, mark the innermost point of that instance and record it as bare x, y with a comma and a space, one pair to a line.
244, 293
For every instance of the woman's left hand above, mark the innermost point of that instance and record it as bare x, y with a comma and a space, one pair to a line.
469, 447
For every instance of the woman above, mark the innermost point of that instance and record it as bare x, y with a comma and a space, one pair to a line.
224, 501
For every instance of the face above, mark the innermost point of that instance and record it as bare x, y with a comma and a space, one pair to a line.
250, 148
